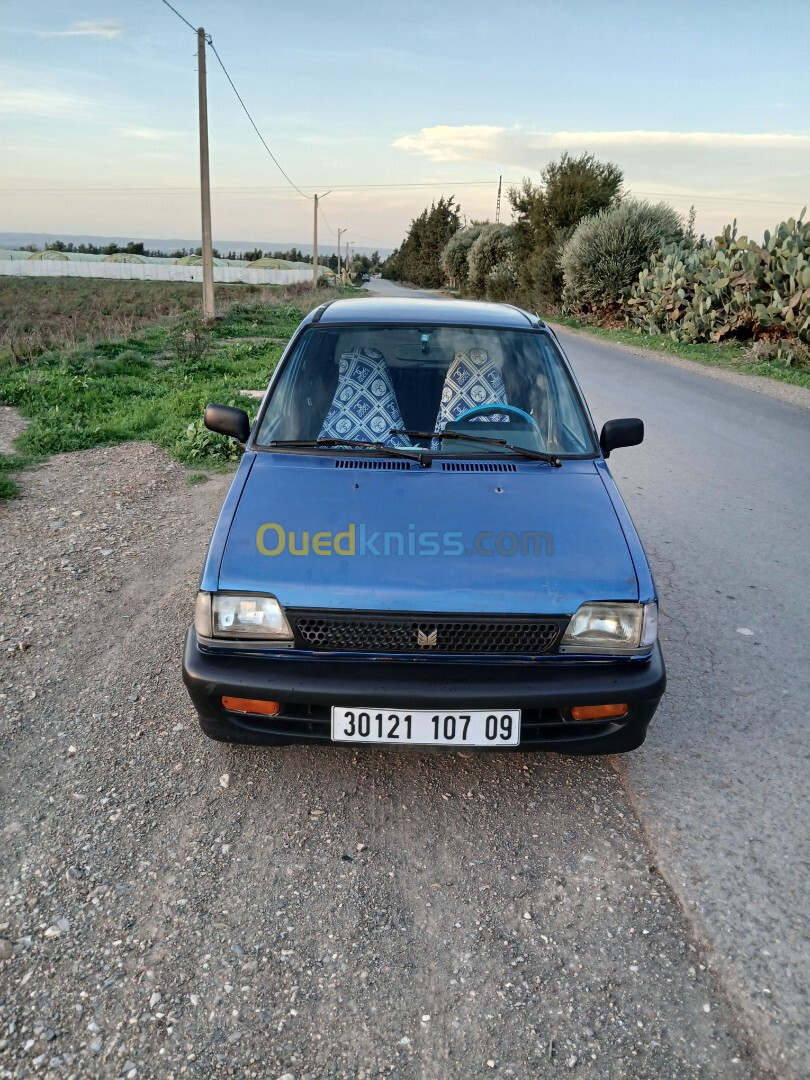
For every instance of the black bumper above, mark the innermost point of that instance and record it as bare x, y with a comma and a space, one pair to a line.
308, 686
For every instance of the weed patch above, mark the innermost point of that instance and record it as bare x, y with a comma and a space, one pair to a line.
40, 315
153, 385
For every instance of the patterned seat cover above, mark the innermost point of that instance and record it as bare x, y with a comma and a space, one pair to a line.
473, 378
365, 405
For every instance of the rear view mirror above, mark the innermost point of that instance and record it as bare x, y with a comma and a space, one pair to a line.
616, 433
226, 420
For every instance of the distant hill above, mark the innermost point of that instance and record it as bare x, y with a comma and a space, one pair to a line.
21, 239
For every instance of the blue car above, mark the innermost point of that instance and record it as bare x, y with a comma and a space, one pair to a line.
423, 545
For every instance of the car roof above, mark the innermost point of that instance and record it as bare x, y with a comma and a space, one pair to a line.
383, 309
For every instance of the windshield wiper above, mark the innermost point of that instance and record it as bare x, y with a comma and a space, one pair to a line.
523, 451
380, 448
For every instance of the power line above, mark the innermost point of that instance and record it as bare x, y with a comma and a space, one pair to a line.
710, 198
253, 124
179, 16
371, 239
326, 220
262, 190
369, 187
210, 42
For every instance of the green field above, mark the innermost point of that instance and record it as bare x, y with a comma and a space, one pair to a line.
88, 385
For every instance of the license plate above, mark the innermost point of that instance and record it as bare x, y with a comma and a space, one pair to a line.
427, 727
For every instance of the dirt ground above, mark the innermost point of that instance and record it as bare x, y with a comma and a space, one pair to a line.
174, 907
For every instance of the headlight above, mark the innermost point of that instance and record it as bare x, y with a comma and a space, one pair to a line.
229, 615
611, 628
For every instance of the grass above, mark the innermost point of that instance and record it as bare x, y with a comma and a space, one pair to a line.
732, 357
8, 488
153, 384
38, 315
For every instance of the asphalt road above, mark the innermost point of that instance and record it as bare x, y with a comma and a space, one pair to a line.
720, 493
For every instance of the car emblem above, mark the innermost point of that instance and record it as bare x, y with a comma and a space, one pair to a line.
426, 640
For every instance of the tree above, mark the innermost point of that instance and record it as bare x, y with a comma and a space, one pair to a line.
493, 246
391, 269
418, 260
455, 254
545, 216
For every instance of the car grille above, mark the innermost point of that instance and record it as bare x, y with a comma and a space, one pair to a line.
416, 634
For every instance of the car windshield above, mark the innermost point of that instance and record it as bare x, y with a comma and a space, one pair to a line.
401, 385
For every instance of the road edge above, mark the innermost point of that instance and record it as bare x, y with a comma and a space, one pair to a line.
759, 384
753, 1027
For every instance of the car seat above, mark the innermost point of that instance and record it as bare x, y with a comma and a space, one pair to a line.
473, 378
364, 405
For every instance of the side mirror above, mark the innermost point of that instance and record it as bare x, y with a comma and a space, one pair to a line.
616, 433
225, 420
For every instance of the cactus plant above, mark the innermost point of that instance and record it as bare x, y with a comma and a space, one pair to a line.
729, 288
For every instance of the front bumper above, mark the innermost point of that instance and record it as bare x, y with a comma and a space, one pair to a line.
308, 686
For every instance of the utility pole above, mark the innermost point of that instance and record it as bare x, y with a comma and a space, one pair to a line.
340, 233
205, 185
315, 240
315, 248
498, 204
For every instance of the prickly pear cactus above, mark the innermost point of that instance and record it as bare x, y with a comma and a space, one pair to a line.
730, 287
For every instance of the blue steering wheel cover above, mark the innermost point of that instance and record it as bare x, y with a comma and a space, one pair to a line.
479, 410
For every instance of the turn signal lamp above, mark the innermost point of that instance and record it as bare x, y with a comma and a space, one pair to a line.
598, 712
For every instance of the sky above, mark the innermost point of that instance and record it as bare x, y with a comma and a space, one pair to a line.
391, 104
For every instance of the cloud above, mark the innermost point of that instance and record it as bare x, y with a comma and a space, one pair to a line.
475, 142
145, 134
45, 104
467, 142
712, 139
97, 28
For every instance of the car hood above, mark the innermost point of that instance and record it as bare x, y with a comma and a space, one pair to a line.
439, 539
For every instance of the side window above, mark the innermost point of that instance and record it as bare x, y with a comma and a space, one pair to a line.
303, 393
566, 433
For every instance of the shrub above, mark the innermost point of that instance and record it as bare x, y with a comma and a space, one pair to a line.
540, 276
728, 288
191, 338
455, 255
502, 280
198, 444
493, 245
606, 252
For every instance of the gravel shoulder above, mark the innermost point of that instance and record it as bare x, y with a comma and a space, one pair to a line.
11, 425
175, 907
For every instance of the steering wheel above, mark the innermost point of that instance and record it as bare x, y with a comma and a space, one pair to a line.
512, 410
